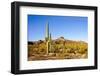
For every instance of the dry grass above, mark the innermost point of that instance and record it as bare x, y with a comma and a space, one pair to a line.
61, 49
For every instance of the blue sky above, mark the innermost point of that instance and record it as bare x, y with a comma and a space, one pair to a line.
70, 27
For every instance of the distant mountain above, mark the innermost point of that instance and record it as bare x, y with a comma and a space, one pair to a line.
57, 41
60, 39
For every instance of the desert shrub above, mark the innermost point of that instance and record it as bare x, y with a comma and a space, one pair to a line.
63, 49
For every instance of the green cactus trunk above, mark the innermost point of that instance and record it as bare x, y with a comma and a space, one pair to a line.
48, 39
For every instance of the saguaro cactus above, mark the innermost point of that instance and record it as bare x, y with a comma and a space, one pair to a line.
48, 38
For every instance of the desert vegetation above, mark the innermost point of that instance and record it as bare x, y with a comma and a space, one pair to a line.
61, 48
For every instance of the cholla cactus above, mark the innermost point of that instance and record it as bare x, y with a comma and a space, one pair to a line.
48, 39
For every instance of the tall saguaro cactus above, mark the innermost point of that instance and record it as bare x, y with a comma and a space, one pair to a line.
48, 39
47, 30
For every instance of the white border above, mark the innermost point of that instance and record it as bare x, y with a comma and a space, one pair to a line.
26, 65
